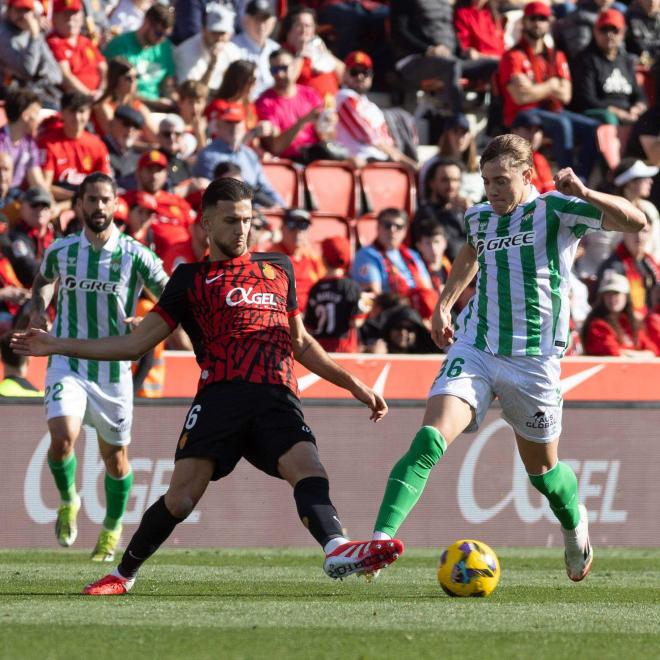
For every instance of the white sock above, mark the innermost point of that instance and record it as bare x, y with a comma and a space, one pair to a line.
333, 544
380, 536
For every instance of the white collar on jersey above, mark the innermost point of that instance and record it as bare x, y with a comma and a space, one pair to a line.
110, 245
533, 194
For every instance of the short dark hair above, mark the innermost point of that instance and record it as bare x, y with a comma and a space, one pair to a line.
9, 357
75, 101
278, 53
440, 162
96, 177
225, 190
226, 168
289, 19
159, 14
17, 102
392, 212
512, 146
428, 227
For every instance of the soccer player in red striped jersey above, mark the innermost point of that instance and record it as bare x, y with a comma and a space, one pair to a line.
240, 311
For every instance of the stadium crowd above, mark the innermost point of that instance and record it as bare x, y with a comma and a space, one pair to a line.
317, 106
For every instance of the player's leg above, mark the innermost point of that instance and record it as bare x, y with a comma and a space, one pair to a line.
302, 468
557, 482
189, 480
118, 483
530, 395
62, 463
444, 420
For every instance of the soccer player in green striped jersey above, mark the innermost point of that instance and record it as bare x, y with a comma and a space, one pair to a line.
100, 273
508, 340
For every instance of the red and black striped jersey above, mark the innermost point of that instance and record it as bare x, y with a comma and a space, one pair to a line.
236, 313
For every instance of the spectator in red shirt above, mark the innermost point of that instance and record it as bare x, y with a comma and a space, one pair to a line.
529, 125
315, 65
292, 109
307, 265
612, 328
479, 29
532, 75
70, 152
83, 67
171, 227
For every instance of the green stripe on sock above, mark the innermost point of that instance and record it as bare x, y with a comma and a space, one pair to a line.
408, 479
117, 492
64, 473
560, 487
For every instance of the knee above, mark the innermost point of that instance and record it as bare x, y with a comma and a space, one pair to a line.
61, 446
117, 463
179, 504
428, 445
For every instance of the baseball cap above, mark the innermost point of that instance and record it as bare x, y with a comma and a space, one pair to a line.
21, 4
611, 17
630, 169
296, 218
259, 8
131, 115
150, 158
121, 210
37, 195
66, 5
220, 19
537, 8
614, 282
226, 111
359, 58
526, 119
336, 251
146, 200
457, 121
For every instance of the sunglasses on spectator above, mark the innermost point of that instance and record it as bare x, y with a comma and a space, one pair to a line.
393, 225
609, 29
278, 68
171, 133
357, 71
301, 225
539, 17
159, 33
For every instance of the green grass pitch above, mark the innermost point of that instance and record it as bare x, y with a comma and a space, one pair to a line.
278, 604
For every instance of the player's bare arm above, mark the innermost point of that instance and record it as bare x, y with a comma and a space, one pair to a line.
151, 331
618, 213
311, 355
463, 270
42, 294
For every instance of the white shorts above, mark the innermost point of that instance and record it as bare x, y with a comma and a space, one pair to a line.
108, 407
528, 389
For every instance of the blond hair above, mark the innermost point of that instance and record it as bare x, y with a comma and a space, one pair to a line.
510, 146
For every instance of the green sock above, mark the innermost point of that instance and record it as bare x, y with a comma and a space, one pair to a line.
116, 498
64, 473
560, 487
408, 479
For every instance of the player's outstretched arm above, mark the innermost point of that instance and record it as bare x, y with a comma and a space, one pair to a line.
463, 270
151, 331
311, 355
618, 213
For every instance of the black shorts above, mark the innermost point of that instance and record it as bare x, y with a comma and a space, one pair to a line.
232, 420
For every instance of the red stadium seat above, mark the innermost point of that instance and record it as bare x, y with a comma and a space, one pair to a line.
366, 229
333, 188
325, 226
286, 179
388, 185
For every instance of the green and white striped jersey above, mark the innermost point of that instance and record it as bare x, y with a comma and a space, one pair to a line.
521, 304
97, 291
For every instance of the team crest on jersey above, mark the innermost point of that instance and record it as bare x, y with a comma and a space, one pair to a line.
175, 210
268, 271
87, 162
71, 262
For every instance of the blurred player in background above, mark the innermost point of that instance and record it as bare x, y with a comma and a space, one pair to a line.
240, 310
510, 337
100, 272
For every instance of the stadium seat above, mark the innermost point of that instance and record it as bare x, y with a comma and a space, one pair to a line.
332, 187
387, 185
612, 141
325, 226
286, 179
